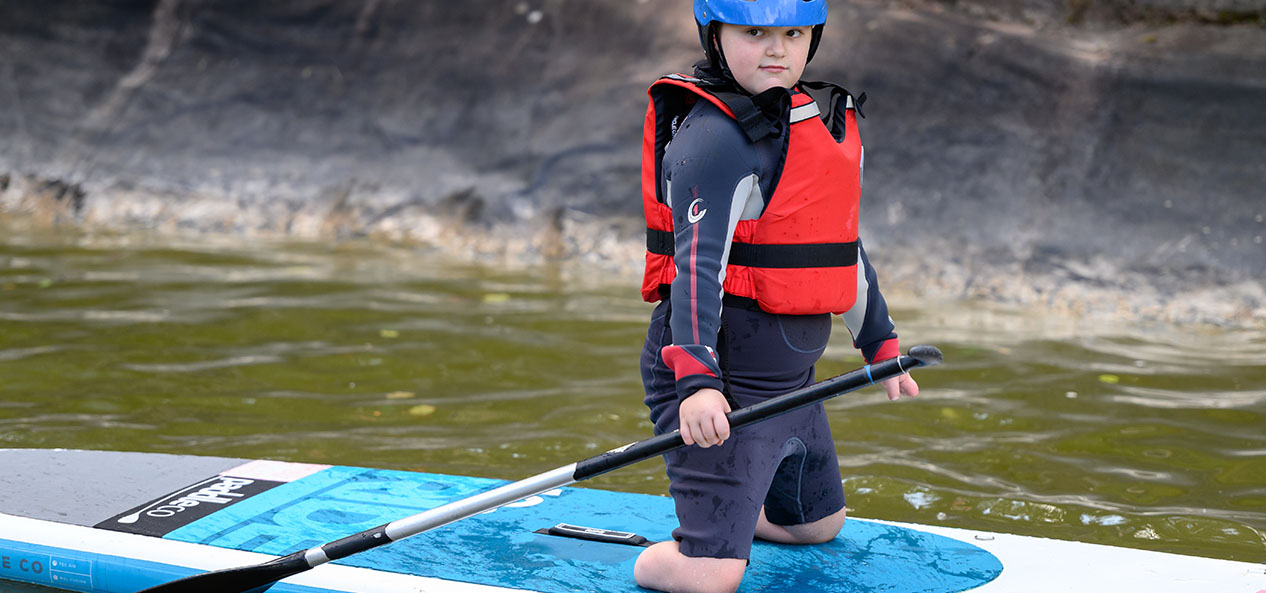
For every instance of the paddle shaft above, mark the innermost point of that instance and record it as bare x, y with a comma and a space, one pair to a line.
255, 577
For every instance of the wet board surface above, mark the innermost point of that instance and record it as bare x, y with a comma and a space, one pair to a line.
113, 522
278, 508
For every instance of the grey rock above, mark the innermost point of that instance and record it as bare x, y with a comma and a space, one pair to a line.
1061, 154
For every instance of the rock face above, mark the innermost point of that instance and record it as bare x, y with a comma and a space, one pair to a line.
1084, 154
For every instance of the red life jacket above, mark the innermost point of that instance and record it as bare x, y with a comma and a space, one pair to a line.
800, 256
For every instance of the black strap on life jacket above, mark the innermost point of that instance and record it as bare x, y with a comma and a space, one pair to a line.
753, 255
759, 116
828, 97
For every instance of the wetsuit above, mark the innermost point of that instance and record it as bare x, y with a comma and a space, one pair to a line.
788, 464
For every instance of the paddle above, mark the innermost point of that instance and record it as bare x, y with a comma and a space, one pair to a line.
258, 578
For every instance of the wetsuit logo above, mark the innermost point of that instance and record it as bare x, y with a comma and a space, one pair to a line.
696, 212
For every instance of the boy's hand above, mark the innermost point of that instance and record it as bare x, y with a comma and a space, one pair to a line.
703, 418
901, 385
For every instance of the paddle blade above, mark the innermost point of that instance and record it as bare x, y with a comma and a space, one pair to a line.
928, 356
247, 579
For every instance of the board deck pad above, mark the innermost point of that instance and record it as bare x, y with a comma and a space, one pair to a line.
294, 508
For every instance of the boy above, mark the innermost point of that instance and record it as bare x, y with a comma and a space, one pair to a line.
751, 182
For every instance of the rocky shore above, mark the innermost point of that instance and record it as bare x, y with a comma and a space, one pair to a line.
1081, 156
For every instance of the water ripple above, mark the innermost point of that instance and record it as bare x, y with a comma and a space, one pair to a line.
20, 353
193, 367
1060, 427
1173, 400
88, 315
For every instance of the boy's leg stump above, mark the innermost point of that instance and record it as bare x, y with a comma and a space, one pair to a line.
664, 568
816, 532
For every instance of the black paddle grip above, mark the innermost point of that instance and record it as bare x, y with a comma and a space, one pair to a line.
356, 543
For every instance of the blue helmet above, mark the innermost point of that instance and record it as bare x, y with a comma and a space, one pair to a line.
761, 13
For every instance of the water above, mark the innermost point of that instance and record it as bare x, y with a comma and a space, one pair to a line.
364, 354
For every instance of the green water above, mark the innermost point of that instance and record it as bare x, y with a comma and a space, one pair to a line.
1131, 435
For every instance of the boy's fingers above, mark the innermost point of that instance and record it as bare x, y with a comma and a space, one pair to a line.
686, 437
893, 388
722, 427
708, 435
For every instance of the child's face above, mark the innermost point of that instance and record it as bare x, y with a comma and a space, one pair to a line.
762, 58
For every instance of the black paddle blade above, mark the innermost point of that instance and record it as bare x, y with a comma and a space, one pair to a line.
928, 356
247, 579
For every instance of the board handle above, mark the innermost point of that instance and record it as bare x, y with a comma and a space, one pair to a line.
596, 534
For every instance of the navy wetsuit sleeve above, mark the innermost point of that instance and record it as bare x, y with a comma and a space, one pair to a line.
874, 332
708, 174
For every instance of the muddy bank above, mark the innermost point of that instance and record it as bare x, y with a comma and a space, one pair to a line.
1091, 157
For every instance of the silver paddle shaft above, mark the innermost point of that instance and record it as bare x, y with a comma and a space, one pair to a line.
461, 509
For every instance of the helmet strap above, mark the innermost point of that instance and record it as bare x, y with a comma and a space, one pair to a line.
815, 39
710, 37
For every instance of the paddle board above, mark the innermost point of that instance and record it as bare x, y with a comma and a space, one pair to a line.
114, 522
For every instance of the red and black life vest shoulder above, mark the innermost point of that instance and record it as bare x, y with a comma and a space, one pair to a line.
760, 115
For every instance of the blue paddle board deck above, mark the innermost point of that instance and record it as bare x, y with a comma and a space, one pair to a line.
108, 522
276, 508
503, 547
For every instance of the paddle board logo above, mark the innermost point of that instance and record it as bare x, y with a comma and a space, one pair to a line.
696, 211
182, 507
